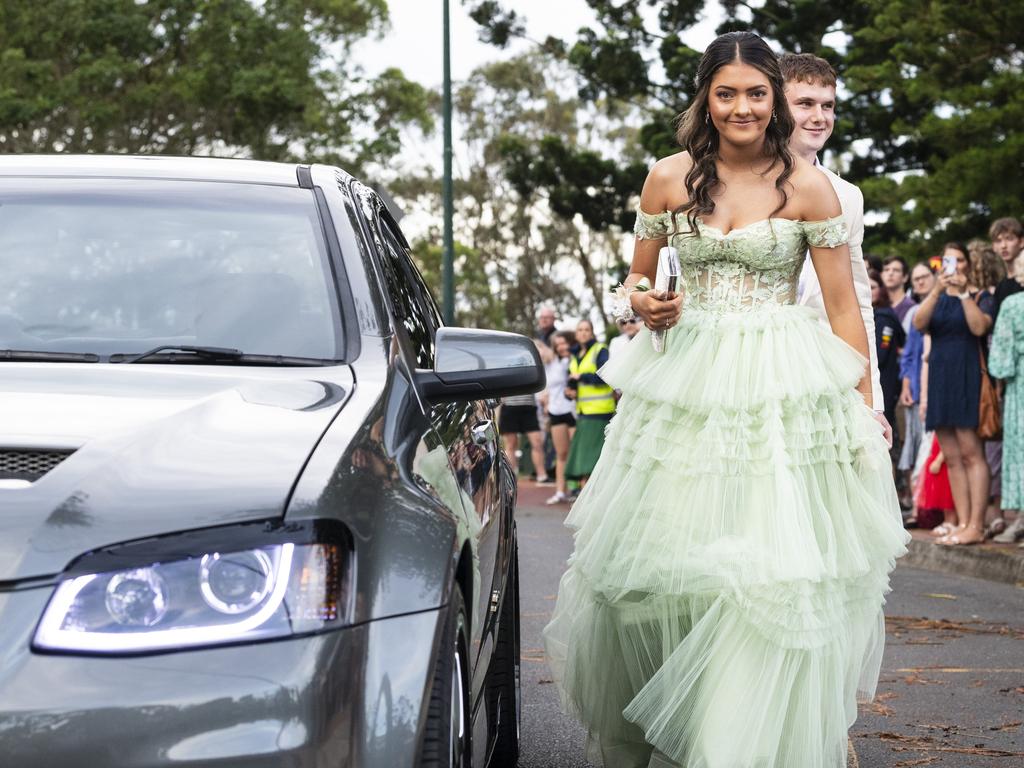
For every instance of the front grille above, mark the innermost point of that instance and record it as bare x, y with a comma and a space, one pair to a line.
24, 464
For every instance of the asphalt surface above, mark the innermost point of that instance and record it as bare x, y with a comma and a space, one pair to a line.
951, 694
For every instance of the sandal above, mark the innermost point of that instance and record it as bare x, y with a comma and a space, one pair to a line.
943, 529
994, 528
960, 539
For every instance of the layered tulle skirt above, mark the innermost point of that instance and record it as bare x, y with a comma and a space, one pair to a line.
723, 605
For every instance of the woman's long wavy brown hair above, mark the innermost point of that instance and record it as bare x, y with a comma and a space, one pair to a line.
698, 135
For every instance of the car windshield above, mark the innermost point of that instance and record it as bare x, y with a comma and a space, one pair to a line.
121, 266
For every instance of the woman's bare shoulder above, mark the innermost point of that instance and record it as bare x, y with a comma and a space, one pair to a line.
665, 183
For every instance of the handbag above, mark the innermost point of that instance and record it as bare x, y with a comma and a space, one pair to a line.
990, 418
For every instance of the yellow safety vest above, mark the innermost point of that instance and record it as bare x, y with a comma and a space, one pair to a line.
591, 399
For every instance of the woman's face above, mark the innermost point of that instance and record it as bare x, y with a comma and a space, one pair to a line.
740, 103
921, 279
584, 332
561, 346
962, 265
876, 291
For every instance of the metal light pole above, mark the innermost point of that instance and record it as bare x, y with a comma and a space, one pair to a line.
448, 255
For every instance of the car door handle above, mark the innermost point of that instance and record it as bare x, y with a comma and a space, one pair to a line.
483, 432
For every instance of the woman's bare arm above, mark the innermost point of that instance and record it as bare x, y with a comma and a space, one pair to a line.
655, 310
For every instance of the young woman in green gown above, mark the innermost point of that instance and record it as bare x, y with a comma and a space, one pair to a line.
723, 604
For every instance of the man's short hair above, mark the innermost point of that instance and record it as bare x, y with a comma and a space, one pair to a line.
1005, 226
807, 68
900, 259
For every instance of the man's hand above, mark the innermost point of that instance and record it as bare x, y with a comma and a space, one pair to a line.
886, 427
906, 398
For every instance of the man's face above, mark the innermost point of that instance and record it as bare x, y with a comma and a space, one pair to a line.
893, 275
1007, 246
814, 111
546, 319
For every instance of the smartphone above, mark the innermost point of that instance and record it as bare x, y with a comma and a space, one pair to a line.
949, 265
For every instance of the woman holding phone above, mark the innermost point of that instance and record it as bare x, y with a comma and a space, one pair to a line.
957, 320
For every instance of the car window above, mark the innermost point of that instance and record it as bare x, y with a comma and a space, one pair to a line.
409, 294
119, 266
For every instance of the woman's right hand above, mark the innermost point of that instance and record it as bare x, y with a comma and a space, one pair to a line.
659, 310
943, 282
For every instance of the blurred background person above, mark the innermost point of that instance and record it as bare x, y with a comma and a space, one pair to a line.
987, 269
595, 402
560, 409
889, 341
922, 280
895, 279
545, 324
933, 498
1006, 362
957, 320
986, 272
627, 330
1007, 236
518, 416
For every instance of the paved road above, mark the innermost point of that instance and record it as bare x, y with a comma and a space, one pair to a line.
952, 688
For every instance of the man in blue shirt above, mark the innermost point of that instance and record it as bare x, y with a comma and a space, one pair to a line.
921, 279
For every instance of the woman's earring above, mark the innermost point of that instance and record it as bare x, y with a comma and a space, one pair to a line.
707, 117
775, 117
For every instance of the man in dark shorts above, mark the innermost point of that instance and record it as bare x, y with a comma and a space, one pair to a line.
519, 417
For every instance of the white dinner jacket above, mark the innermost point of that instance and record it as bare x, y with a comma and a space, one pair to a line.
852, 202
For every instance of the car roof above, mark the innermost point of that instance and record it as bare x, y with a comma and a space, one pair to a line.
150, 167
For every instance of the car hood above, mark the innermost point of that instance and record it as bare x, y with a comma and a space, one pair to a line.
152, 449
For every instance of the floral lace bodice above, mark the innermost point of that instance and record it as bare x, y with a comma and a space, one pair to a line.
756, 266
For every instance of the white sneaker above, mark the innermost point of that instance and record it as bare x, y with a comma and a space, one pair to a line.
1014, 532
558, 498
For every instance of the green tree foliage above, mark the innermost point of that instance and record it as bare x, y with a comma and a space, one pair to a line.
518, 245
930, 112
267, 79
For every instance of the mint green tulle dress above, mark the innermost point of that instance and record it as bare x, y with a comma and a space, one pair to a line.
722, 607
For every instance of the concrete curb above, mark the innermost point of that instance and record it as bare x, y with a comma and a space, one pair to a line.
993, 562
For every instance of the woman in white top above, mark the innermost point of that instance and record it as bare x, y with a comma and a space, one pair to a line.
559, 409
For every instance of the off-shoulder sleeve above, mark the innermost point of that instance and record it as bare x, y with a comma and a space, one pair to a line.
830, 233
651, 226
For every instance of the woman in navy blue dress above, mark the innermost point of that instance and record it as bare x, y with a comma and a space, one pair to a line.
957, 321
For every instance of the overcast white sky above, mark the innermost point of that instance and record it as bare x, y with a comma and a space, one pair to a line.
414, 43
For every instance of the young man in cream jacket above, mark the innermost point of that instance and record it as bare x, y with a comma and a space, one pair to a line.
811, 94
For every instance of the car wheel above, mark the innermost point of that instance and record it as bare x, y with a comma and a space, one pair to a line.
446, 736
504, 699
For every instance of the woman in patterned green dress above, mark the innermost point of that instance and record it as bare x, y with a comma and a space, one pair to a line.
1006, 362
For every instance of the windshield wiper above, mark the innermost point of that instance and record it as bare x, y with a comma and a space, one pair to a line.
170, 353
21, 355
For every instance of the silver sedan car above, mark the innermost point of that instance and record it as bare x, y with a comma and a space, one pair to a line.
253, 507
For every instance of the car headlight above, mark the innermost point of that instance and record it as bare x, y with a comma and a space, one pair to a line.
205, 591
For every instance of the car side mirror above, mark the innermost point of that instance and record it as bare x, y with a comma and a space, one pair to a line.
473, 364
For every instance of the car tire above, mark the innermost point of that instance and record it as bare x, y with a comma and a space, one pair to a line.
504, 697
446, 735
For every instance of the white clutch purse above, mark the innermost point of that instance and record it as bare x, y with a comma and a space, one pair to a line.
667, 280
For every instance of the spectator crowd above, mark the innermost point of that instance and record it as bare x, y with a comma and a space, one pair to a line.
949, 334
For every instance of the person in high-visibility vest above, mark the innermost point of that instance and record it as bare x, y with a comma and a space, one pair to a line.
595, 402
